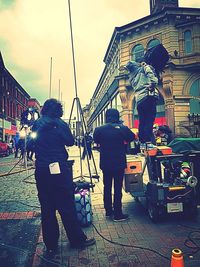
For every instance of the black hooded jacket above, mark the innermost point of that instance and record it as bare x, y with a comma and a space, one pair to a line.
53, 134
112, 138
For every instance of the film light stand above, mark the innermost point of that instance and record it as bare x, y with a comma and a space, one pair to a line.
80, 117
80, 112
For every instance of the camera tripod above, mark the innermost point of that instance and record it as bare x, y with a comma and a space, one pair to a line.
80, 117
80, 113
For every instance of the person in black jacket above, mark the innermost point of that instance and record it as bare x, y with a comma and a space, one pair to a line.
53, 179
112, 138
87, 146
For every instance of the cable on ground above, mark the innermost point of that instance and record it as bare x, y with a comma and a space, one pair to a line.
130, 246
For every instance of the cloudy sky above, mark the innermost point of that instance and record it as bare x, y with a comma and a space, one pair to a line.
33, 31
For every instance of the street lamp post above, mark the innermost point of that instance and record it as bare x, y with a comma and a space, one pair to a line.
3, 128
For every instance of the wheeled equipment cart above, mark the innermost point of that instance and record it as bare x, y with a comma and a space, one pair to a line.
165, 179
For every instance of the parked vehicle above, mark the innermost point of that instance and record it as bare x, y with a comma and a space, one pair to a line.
4, 149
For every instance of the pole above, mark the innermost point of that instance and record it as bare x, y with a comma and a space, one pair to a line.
3, 122
80, 117
3, 130
50, 76
59, 89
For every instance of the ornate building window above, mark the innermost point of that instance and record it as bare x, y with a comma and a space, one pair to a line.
135, 113
137, 53
195, 94
187, 42
119, 104
152, 43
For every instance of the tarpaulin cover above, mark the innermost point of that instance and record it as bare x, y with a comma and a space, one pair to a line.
180, 145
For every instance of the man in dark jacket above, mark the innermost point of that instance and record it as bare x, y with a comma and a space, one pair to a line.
87, 146
53, 179
112, 138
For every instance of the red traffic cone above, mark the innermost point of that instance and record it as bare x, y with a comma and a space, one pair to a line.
177, 258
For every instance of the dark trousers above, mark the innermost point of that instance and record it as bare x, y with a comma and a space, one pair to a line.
16, 150
55, 192
146, 113
117, 176
29, 154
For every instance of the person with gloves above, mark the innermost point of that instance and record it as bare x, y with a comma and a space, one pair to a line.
144, 81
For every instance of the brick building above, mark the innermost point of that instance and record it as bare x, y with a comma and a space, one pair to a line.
178, 29
13, 101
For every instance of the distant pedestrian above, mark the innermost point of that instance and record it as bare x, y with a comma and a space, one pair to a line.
16, 147
87, 146
53, 178
112, 138
30, 147
21, 147
163, 135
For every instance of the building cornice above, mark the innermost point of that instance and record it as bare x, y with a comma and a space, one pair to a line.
195, 65
118, 31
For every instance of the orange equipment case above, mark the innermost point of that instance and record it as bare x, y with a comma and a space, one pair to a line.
163, 150
134, 165
133, 179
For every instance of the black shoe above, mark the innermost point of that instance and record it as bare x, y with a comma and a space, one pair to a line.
51, 252
109, 213
86, 243
121, 217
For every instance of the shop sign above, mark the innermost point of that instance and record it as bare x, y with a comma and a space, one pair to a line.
5, 124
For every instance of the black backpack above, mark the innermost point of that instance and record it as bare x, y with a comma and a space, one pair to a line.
157, 57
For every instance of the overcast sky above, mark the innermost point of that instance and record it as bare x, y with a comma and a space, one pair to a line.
33, 31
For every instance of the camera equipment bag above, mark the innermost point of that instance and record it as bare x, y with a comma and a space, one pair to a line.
83, 207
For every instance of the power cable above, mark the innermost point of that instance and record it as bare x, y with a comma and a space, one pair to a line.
130, 246
191, 240
191, 243
9, 172
25, 204
28, 182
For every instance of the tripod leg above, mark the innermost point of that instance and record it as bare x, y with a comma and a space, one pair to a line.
84, 129
96, 176
70, 116
81, 167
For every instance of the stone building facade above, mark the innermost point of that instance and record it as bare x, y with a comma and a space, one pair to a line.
178, 29
13, 101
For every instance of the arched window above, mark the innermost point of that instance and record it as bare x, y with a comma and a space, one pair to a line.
195, 101
137, 53
135, 115
160, 109
119, 103
152, 43
188, 42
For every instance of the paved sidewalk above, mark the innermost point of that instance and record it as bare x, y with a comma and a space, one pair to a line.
136, 242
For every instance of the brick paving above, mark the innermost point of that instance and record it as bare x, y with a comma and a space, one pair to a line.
123, 243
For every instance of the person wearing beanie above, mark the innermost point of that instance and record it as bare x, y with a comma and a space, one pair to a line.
112, 138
